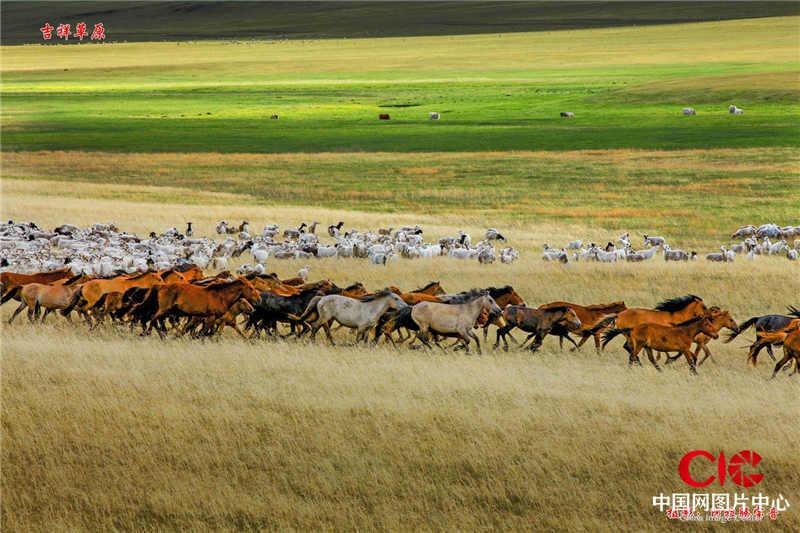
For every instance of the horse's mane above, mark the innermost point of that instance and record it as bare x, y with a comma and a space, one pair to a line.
690, 321
224, 284
143, 274
72, 280
354, 286
376, 295
467, 296
557, 309
496, 292
426, 287
677, 304
794, 311
604, 307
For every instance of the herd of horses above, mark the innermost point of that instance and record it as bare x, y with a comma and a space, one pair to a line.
184, 300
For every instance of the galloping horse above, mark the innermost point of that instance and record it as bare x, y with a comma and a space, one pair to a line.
537, 322
503, 297
791, 347
590, 316
361, 314
765, 324
201, 302
91, 291
452, 319
34, 296
766, 339
720, 318
667, 313
663, 338
10, 281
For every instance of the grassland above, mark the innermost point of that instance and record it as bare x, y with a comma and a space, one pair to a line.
106, 431
495, 92
640, 191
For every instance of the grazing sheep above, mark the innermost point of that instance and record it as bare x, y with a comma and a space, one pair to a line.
493, 234
433, 115
303, 273
575, 245
333, 230
312, 229
675, 255
189, 231
567, 114
744, 231
653, 241
688, 111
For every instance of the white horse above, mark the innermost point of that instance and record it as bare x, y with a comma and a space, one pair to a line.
452, 319
359, 314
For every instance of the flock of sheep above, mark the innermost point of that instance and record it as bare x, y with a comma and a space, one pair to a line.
774, 240
732, 109
103, 250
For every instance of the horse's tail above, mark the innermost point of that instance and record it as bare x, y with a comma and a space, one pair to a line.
310, 309
12, 293
610, 334
603, 324
733, 334
76, 299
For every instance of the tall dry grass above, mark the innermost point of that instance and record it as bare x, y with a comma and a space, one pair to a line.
108, 431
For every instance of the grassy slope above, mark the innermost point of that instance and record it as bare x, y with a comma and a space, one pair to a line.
175, 21
696, 197
494, 93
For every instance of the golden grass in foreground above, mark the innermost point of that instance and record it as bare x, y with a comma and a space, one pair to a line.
104, 430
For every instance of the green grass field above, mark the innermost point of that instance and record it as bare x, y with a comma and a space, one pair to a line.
494, 91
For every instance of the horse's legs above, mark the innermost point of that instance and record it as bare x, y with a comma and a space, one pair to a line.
501, 332
585, 338
651, 358
22, 306
779, 365
706, 353
769, 351
327, 327
475, 338
690, 358
47, 311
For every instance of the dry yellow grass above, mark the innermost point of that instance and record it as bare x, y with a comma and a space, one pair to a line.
107, 431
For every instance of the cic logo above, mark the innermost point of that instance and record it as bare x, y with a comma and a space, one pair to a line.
733, 468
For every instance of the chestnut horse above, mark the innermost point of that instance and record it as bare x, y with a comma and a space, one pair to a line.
667, 313
663, 338
790, 338
770, 338
591, 317
536, 322
720, 318
34, 296
201, 302
9, 281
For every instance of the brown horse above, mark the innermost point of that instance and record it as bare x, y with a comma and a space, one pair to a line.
427, 293
791, 347
536, 322
663, 338
770, 338
667, 313
720, 318
11, 281
503, 297
92, 291
214, 325
590, 316
34, 296
201, 302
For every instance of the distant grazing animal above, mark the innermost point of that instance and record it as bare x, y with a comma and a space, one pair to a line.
189, 230
744, 231
313, 227
384, 116
653, 241
274, 116
433, 115
567, 114
333, 230
688, 111
493, 234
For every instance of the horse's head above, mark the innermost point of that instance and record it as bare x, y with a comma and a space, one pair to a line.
707, 327
395, 302
514, 299
192, 273
248, 291
570, 318
436, 289
241, 306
